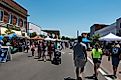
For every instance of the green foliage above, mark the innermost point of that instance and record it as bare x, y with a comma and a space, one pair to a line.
43, 36
95, 38
33, 34
63, 38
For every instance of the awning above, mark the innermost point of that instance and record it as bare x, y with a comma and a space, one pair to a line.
3, 29
37, 38
18, 33
26, 36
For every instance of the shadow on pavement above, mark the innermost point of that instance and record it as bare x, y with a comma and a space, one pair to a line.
36, 58
29, 56
40, 60
91, 77
110, 76
69, 78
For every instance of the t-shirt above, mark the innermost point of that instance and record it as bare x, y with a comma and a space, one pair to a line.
96, 54
115, 51
79, 50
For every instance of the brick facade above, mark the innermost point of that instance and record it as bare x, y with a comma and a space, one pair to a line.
13, 13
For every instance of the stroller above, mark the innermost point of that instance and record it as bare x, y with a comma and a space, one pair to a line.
57, 58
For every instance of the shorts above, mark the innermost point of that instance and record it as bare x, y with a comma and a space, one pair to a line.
79, 63
115, 61
96, 60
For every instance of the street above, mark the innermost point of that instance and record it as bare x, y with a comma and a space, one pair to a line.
24, 67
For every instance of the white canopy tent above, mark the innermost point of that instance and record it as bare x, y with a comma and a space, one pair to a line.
110, 37
49, 39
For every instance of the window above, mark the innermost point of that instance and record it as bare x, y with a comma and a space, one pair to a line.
6, 17
25, 24
17, 21
1, 15
20, 22
14, 20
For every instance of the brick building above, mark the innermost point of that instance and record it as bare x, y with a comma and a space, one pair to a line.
96, 27
13, 15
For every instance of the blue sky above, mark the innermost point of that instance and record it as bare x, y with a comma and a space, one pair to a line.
71, 15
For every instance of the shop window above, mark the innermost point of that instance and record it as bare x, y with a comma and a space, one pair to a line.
1, 15
14, 20
20, 22
6, 17
25, 24
17, 21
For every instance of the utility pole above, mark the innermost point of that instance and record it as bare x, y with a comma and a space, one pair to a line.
77, 33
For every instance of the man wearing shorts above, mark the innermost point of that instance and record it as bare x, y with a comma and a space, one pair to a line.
96, 56
80, 57
115, 56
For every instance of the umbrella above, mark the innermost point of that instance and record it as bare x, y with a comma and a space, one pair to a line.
49, 39
1, 37
85, 40
37, 38
12, 35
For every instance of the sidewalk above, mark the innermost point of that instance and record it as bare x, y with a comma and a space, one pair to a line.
107, 67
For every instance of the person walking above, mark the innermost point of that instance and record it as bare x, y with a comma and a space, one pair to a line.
33, 49
80, 57
51, 49
115, 56
44, 46
27, 47
96, 57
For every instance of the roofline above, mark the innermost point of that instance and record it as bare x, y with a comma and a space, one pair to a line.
19, 5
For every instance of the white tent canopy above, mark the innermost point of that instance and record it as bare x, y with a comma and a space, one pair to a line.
49, 39
110, 37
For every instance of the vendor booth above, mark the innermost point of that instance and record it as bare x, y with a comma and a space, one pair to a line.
110, 37
49, 39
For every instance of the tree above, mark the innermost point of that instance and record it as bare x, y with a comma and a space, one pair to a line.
33, 34
63, 38
43, 36
95, 38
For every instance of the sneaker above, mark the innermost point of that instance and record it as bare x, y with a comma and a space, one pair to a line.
79, 78
96, 78
114, 76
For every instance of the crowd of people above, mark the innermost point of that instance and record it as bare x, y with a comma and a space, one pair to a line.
45, 50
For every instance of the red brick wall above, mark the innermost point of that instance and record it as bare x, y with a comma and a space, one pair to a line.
16, 6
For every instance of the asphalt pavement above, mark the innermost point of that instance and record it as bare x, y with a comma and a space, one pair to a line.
25, 67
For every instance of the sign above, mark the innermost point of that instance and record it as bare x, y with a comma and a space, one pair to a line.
5, 54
